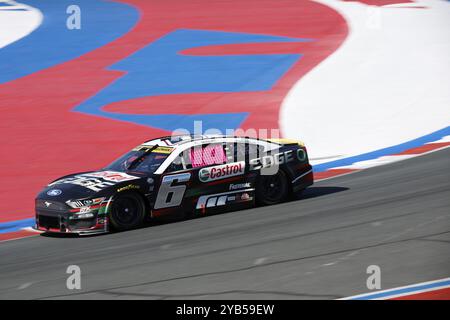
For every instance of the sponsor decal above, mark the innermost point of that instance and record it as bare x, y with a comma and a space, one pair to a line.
172, 189
221, 199
301, 155
159, 149
84, 215
277, 159
84, 210
141, 147
54, 193
165, 150
245, 197
239, 186
112, 176
84, 202
101, 220
222, 171
86, 182
97, 181
128, 187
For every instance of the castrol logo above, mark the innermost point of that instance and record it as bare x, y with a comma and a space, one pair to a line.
222, 171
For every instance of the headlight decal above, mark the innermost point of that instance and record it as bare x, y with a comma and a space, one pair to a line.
84, 202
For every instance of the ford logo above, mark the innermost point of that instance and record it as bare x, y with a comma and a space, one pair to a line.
54, 192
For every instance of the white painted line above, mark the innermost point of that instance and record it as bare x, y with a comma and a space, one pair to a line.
444, 139
376, 162
31, 229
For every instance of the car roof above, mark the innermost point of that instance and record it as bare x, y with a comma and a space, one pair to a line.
184, 142
178, 140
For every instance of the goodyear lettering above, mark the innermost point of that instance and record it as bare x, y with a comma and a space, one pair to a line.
128, 187
165, 150
159, 149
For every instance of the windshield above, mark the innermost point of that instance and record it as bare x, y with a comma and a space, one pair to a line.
142, 159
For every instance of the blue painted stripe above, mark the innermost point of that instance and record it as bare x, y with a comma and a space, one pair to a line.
12, 226
411, 290
384, 152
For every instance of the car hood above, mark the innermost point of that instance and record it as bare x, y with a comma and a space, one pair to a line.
86, 185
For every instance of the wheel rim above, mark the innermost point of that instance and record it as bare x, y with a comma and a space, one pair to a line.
126, 211
273, 187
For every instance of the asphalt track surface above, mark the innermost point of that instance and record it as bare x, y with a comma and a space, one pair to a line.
395, 216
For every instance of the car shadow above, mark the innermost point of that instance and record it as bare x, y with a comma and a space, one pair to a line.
308, 193
69, 235
314, 192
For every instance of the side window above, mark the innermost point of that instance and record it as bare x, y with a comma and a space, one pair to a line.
177, 164
240, 151
255, 151
206, 155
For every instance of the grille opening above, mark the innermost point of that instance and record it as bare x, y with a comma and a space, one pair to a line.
49, 222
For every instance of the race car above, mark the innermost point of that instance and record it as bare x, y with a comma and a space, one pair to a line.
171, 176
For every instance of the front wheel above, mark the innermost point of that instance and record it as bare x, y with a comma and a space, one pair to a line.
127, 212
272, 189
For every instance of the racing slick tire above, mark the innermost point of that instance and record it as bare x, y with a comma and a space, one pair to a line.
127, 212
272, 189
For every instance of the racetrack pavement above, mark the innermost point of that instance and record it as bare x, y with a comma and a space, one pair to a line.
395, 216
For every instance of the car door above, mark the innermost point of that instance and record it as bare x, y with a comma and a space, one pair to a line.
182, 183
207, 178
219, 178
173, 184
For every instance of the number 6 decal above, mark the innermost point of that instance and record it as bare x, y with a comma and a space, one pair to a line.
170, 195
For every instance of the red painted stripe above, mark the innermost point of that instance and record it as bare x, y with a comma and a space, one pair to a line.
440, 294
17, 235
331, 173
425, 148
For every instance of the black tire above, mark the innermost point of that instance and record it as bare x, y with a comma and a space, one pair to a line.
127, 212
272, 189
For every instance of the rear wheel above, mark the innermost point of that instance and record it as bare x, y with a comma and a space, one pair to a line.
272, 189
127, 211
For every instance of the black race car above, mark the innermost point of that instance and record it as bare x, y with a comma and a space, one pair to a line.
193, 175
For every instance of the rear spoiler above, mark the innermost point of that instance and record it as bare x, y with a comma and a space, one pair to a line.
287, 142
